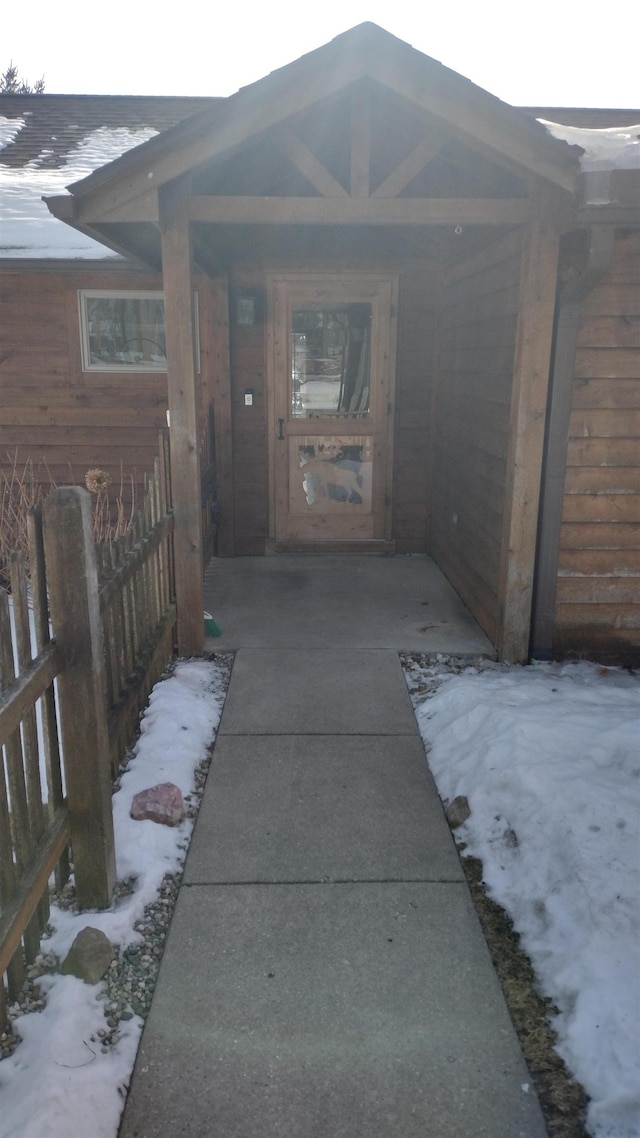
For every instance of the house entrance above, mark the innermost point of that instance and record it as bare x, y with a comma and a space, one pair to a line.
331, 393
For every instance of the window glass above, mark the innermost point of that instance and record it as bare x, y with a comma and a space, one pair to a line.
123, 331
330, 359
335, 473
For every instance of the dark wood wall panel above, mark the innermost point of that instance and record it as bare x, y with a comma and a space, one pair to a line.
249, 424
414, 384
598, 593
478, 317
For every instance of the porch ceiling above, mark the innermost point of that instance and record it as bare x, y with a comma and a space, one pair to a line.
217, 247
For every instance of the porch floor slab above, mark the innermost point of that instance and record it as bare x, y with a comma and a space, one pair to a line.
331, 601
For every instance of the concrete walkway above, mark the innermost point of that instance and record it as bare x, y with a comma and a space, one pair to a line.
325, 974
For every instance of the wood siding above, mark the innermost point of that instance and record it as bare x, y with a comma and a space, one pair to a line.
470, 422
417, 330
65, 420
249, 424
598, 592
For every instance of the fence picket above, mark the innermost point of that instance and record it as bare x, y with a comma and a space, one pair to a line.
29, 740
114, 616
13, 820
29, 728
47, 700
75, 615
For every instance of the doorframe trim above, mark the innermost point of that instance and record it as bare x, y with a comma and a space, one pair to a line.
276, 277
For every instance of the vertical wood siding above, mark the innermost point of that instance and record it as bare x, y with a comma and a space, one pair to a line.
598, 594
470, 421
249, 424
414, 381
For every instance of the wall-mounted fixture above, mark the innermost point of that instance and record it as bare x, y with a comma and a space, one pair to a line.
247, 308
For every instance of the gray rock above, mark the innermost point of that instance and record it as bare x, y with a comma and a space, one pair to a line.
458, 811
89, 956
162, 803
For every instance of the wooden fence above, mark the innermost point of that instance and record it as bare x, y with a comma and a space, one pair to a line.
137, 603
113, 615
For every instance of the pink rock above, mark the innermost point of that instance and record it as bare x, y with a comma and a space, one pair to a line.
458, 811
162, 803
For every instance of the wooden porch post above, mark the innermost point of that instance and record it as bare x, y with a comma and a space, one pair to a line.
183, 413
572, 296
538, 278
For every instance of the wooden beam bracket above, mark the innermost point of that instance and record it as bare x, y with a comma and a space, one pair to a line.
360, 141
414, 163
307, 164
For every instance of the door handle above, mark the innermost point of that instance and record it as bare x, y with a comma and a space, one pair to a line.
281, 429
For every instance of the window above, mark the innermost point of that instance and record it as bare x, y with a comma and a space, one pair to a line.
122, 331
330, 361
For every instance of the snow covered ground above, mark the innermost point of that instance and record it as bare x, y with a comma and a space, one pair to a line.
549, 759
59, 1082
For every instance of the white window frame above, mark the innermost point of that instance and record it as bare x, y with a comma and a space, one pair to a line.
85, 294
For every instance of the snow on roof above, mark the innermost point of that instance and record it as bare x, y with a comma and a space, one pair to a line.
30, 172
605, 148
9, 129
27, 229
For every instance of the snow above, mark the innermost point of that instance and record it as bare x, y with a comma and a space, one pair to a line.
28, 228
548, 757
605, 148
58, 1083
9, 129
30, 231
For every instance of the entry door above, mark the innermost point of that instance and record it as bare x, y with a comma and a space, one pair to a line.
332, 373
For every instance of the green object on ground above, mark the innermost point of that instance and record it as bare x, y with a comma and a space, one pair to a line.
210, 626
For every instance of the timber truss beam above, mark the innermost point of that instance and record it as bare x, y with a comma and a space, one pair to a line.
324, 182
355, 60
328, 210
359, 211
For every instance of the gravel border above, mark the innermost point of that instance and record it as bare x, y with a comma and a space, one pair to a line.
131, 979
562, 1098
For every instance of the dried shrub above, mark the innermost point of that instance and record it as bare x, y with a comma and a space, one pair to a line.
22, 488
27, 485
111, 517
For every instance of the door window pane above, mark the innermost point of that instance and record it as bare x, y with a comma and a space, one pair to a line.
334, 474
330, 361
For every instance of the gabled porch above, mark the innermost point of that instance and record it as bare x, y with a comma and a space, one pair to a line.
368, 187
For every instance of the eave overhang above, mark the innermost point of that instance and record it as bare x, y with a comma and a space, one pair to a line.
125, 191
